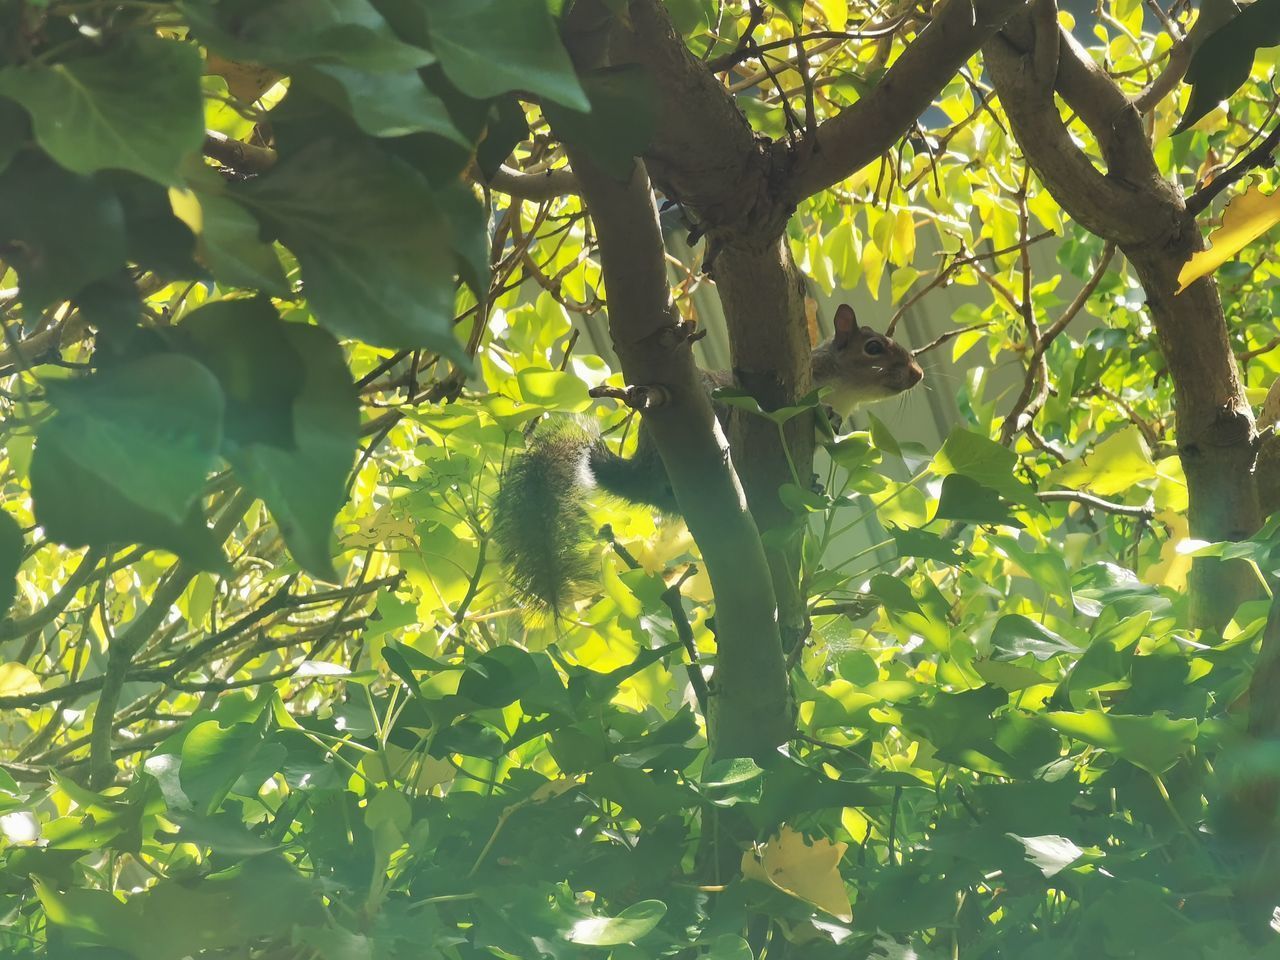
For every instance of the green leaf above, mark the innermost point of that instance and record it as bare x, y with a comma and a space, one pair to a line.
730, 947
247, 347
498, 677
336, 943
1223, 61
1016, 635
86, 916
963, 498
488, 47
11, 548
77, 508
1153, 743
213, 758
792, 9
113, 307
690, 17
468, 226
375, 251
554, 389
304, 487
382, 104
158, 240
982, 459
622, 121
151, 428
734, 780
59, 231
230, 242
207, 915
628, 926
928, 546
283, 32
138, 107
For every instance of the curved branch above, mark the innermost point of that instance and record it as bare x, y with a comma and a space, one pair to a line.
858, 134
548, 185
750, 713
1127, 204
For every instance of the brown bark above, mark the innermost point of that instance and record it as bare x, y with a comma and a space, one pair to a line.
1032, 61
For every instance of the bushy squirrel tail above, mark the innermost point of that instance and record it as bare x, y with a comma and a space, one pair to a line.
541, 524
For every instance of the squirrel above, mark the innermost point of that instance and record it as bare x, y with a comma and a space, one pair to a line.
541, 525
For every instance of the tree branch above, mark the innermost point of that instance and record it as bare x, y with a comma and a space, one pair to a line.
1130, 203
859, 133
750, 716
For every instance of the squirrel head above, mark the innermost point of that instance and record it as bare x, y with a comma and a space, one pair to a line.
861, 365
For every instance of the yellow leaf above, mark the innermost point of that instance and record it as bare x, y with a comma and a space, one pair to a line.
1113, 466
836, 12
1173, 566
16, 680
186, 207
904, 237
873, 268
806, 870
1247, 217
1171, 486
380, 527
246, 81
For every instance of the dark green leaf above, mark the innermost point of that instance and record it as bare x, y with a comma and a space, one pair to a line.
1222, 63
247, 347
1015, 635
305, 486
158, 241
11, 547
231, 246
982, 459
59, 231
382, 104
375, 251
151, 428
488, 47
498, 677
929, 546
282, 32
507, 126
78, 509
138, 107
15, 131
467, 226
622, 121
113, 307
963, 498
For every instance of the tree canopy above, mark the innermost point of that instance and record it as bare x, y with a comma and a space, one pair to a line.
284, 286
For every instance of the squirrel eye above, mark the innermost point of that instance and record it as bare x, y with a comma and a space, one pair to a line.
873, 348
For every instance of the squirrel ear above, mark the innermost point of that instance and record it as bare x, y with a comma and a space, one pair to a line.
846, 323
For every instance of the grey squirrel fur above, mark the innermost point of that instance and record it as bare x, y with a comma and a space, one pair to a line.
541, 526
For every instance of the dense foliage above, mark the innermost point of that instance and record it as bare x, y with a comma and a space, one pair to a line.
276, 317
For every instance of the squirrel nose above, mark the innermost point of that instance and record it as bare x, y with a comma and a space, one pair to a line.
915, 373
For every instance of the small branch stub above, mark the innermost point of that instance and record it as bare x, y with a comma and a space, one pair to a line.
639, 397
